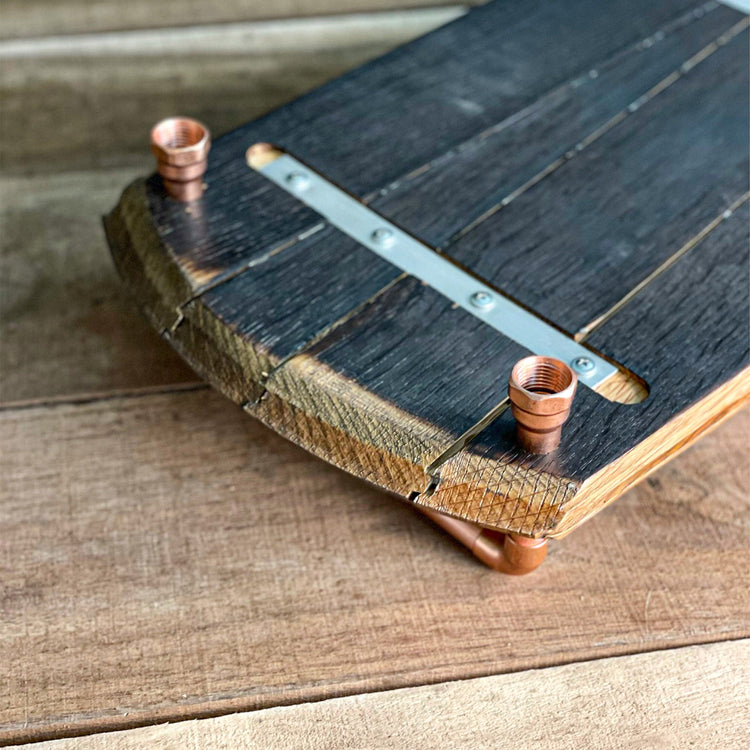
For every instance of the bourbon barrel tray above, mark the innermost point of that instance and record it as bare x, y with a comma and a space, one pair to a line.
364, 266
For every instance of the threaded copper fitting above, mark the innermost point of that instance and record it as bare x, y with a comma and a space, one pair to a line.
541, 391
181, 147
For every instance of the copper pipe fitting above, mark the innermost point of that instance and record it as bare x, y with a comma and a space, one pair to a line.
181, 147
513, 554
541, 391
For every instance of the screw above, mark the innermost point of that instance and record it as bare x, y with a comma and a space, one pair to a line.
482, 300
298, 180
383, 237
583, 364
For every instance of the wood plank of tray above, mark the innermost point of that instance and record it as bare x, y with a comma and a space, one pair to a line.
165, 557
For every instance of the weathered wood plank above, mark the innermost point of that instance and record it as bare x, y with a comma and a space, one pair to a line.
66, 325
54, 17
479, 175
465, 77
570, 247
89, 102
168, 557
268, 313
669, 699
684, 356
397, 378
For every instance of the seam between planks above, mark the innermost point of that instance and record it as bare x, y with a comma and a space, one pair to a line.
464, 440
686, 66
225, 706
693, 242
81, 399
594, 136
468, 436
285, 245
544, 101
696, 14
326, 331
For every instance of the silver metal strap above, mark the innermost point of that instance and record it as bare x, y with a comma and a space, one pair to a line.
419, 260
741, 5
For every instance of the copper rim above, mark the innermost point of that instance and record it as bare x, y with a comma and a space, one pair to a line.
181, 147
541, 391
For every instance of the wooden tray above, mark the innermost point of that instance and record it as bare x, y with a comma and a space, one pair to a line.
590, 165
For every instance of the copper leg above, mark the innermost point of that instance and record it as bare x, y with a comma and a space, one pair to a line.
506, 553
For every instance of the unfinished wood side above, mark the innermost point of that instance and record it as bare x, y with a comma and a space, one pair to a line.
474, 485
143, 260
608, 484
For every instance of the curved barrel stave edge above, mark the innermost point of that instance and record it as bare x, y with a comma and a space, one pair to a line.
372, 437
490, 482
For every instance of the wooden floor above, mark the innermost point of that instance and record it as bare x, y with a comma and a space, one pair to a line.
165, 558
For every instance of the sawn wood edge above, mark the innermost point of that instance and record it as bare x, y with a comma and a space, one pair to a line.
332, 417
489, 481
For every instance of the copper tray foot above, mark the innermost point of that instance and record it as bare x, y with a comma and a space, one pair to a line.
508, 553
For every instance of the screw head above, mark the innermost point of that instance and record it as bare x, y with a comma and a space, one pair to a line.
482, 300
583, 365
298, 181
383, 237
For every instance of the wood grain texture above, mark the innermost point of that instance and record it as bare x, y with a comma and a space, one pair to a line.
667, 700
54, 17
66, 325
392, 379
275, 308
458, 81
489, 170
611, 215
165, 557
244, 216
89, 102
377, 369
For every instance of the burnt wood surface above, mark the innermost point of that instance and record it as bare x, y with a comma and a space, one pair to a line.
378, 123
488, 170
563, 174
